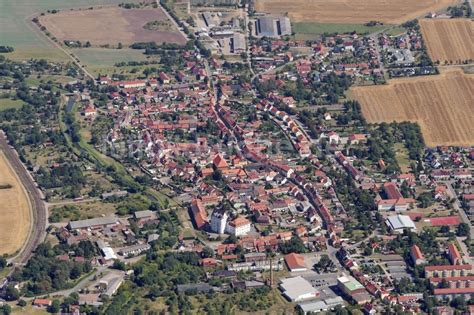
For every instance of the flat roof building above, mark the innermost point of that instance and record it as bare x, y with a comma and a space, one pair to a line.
298, 289
271, 26
350, 286
320, 306
238, 43
93, 223
398, 223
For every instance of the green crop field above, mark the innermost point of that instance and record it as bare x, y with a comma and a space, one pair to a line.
17, 30
102, 61
107, 57
310, 30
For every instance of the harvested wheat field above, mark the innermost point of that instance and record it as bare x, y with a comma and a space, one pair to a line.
449, 40
443, 105
15, 214
112, 25
351, 11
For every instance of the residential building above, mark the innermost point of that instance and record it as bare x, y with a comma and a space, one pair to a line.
448, 271
416, 255
452, 293
239, 226
199, 214
453, 253
134, 250
42, 302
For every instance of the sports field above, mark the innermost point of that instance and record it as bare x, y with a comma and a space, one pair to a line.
112, 25
351, 11
15, 214
442, 105
449, 40
17, 30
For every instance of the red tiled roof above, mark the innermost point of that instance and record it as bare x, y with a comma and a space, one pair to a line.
392, 191
453, 291
454, 252
240, 221
219, 162
295, 261
451, 279
42, 302
415, 250
199, 213
452, 220
448, 267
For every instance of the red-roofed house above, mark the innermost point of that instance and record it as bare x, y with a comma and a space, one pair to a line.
199, 214
239, 226
454, 255
42, 302
416, 255
219, 162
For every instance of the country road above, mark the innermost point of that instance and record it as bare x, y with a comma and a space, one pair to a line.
38, 229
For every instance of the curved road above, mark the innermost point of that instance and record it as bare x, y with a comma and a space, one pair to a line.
38, 229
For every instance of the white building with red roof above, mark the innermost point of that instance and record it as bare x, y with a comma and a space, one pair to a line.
239, 226
416, 255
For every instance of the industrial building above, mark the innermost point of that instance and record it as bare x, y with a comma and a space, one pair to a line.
298, 289
398, 223
270, 26
93, 223
320, 306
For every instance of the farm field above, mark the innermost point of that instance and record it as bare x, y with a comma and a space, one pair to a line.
15, 214
311, 30
101, 60
449, 40
351, 11
17, 30
442, 105
95, 26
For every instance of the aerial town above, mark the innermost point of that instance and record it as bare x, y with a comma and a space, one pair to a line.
236, 157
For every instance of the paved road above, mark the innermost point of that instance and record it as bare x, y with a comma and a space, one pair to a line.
45, 38
172, 20
84, 283
458, 207
38, 230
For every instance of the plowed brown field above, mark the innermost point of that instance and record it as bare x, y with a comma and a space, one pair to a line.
449, 40
15, 214
110, 25
351, 11
443, 105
